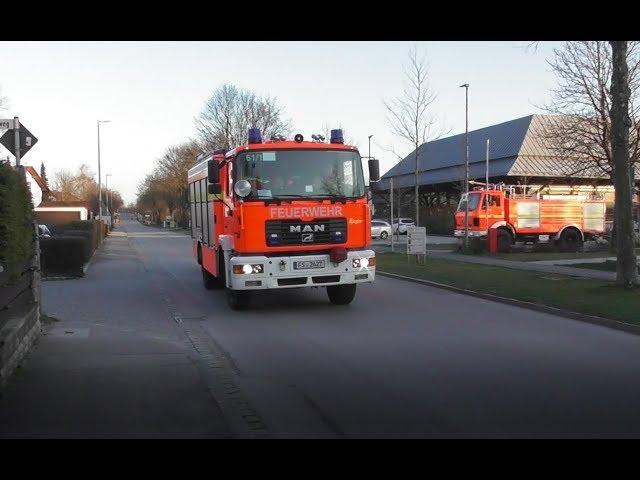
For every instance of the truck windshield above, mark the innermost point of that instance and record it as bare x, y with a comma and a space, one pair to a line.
474, 199
301, 173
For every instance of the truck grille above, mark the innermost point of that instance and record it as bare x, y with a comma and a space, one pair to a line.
296, 232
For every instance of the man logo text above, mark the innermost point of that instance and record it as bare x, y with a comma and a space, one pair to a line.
306, 228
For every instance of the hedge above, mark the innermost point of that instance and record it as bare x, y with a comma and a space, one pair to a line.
88, 236
16, 218
81, 225
439, 221
95, 226
63, 255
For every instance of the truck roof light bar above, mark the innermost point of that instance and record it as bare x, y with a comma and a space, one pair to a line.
336, 136
317, 137
255, 136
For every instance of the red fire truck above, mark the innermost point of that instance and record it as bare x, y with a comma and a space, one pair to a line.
531, 214
283, 214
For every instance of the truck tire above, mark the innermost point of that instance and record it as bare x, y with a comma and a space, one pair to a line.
341, 294
238, 299
504, 241
570, 240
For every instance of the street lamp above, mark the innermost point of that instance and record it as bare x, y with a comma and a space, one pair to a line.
99, 177
466, 166
106, 178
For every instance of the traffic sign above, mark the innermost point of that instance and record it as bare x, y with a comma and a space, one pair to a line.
27, 140
416, 241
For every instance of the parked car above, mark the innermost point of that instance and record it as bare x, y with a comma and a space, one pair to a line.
380, 228
400, 225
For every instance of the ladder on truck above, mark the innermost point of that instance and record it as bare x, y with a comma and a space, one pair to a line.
582, 192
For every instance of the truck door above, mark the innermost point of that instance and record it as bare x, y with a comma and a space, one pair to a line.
492, 202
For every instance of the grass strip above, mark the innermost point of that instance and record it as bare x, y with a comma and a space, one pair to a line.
582, 295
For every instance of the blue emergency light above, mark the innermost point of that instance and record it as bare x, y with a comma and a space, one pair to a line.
254, 135
336, 136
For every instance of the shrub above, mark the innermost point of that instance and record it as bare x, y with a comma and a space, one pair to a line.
80, 225
88, 241
16, 218
62, 255
92, 226
440, 221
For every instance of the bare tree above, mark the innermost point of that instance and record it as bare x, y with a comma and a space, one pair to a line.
410, 116
626, 265
583, 131
229, 113
165, 191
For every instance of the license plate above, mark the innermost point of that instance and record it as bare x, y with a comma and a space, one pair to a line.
305, 264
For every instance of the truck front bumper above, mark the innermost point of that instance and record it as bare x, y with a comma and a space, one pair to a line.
474, 233
279, 271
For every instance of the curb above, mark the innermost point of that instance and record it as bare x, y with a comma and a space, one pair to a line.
583, 317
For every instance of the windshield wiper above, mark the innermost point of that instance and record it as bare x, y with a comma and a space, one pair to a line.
290, 195
334, 197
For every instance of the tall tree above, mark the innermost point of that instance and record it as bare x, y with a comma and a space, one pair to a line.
43, 174
165, 191
581, 131
409, 115
597, 106
229, 113
626, 265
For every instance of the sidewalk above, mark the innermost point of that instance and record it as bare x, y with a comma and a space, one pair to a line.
572, 261
534, 266
114, 365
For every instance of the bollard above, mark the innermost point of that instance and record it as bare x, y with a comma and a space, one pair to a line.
493, 240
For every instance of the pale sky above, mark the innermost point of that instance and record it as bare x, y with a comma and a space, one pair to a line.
152, 91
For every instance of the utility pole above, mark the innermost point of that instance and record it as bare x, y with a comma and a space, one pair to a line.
391, 192
16, 131
466, 166
416, 192
99, 177
487, 187
106, 178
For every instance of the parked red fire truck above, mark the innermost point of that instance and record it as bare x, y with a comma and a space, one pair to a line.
283, 214
528, 214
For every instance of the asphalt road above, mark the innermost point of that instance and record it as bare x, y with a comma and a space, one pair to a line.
403, 360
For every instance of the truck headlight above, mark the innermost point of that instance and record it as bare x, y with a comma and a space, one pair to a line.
363, 262
248, 268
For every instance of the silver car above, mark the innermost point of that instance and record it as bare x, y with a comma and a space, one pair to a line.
400, 225
380, 229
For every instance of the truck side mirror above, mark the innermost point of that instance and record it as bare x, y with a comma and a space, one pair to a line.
214, 188
212, 171
374, 170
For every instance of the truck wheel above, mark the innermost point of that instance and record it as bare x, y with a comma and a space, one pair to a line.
570, 240
341, 294
383, 235
504, 241
238, 299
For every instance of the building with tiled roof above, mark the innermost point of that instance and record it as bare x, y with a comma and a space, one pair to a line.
518, 154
